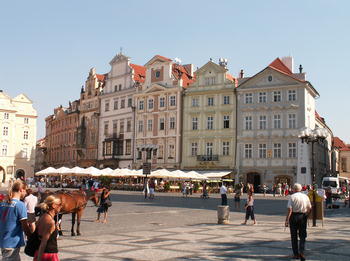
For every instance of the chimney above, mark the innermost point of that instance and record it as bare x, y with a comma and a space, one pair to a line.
288, 61
241, 74
189, 68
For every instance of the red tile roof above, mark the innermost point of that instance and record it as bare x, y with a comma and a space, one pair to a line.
338, 143
277, 64
230, 77
180, 72
139, 72
163, 58
101, 77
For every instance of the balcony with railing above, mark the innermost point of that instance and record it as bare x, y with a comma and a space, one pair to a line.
207, 157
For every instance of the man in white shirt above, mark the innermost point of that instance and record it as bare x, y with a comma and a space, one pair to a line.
30, 201
299, 206
223, 191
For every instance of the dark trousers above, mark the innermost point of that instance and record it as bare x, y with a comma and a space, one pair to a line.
297, 224
224, 199
249, 212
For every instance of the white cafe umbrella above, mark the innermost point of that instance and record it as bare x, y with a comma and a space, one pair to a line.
93, 171
46, 171
76, 171
106, 171
160, 173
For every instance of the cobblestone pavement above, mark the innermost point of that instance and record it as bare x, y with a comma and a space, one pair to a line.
175, 228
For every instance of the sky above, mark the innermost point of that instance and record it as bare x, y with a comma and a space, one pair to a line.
48, 47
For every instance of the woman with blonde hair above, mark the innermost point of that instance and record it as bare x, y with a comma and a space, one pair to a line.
47, 230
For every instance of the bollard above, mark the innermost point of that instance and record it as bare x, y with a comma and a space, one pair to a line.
223, 214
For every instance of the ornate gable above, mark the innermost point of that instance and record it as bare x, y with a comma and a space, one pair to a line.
119, 58
156, 88
210, 66
268, 78
22, 98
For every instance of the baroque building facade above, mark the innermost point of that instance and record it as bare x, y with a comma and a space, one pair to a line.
61, 136
117, 116
89, 110
158, 113
17, 137
209, 120
273, 106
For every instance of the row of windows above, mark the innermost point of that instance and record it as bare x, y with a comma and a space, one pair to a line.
210, 101
209, 148
159, 153
172, 102
5, 132
116, 104
65, 155
276, 97
210, 122
262, 123
7, 116
24, 151
115, 127
276, 151
161, 124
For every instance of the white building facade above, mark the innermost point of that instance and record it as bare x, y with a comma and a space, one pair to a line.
116, 121
273, 106
17, 137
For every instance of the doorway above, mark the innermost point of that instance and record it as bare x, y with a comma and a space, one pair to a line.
2, 174
254, 178
20, 174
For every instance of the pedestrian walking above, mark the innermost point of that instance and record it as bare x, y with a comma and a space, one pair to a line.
299, 206
264, 189
249, 205
30, 201
105, 203
13, 222
146, 188
152, 187
223, 191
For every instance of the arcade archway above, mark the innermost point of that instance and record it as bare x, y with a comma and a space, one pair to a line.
254, 178
2, 174
20, 174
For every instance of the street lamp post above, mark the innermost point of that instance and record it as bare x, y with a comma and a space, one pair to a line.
317, 135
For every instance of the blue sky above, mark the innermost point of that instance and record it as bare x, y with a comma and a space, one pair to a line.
48, 47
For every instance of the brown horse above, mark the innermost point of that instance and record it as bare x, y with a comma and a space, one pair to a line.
73, 202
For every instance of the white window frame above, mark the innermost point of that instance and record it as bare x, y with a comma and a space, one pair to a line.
248, 122
161, 124
141, 105
172, 100
227, 121
210, 123
162, 102
277, 150
194, 149
292, 150
292, 121
277, 122
248, 151
262, 151
25, 135
292, 95
149, 125
248, 98
150, 104
5, 131
225, 148
262, 97
210, 101
277, 96
194, 123
226, 99
140, 126
172, 123
195, 102
262, 122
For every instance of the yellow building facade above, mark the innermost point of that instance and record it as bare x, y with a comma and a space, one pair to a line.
209, 120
